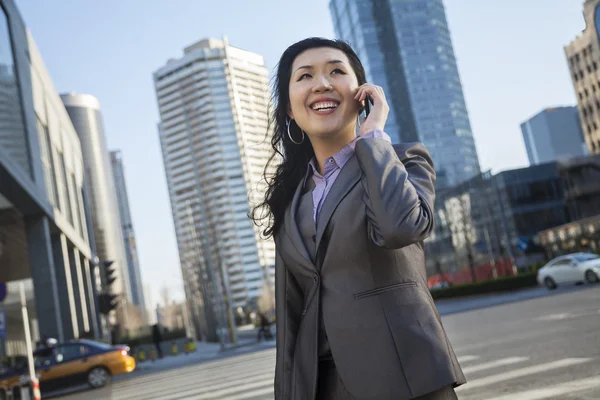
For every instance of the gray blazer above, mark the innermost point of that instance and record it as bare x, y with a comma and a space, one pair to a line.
384, 330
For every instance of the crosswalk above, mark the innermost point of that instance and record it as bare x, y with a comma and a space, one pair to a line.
525, 378
246, 377
250, 377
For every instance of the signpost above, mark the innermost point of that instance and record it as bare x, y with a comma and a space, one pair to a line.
3, 291
2, 324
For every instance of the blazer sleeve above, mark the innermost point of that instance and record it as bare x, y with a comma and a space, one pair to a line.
399, 191
288, 312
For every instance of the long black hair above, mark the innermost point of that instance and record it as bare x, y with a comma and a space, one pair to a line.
292, 158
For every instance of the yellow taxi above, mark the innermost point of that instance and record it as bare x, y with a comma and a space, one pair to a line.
73, 363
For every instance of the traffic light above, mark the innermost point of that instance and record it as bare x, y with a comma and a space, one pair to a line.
107, 302
109, 274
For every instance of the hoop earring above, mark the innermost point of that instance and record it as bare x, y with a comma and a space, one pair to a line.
288, 123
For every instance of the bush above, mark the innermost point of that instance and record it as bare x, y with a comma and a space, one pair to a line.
147, 339
490, 286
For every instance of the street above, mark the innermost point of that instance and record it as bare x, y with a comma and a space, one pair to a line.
536, 348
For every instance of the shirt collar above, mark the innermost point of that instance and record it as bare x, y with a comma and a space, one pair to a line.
338, 160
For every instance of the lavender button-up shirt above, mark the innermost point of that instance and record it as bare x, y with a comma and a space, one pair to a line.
333, 166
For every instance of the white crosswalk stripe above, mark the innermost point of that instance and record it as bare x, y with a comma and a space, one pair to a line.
555, 391
494, 364
250, 377
492, 379
520, 372
242, 377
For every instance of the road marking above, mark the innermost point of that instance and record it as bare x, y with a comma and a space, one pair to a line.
464, 359
494, 364
254, 393
517, 373
553, 391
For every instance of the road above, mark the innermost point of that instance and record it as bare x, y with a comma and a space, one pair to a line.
527, 349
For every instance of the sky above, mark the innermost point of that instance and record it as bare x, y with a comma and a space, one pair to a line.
510, 57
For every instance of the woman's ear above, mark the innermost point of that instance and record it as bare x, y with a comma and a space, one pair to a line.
289, 112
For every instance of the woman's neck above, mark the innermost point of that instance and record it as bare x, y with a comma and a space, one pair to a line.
328, 147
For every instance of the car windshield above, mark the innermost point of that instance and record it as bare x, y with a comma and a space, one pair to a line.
585, 257
98, 345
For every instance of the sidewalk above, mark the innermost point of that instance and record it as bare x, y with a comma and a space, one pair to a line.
205, 352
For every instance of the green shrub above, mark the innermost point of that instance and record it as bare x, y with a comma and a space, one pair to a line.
490, 286
147, 339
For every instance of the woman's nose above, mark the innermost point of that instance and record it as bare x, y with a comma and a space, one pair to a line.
322, 85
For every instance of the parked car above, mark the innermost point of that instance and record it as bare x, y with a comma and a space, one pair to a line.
73, 363
572, 268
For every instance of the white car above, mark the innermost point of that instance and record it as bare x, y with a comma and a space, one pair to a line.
572, 268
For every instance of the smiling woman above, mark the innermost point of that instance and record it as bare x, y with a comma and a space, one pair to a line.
348, 214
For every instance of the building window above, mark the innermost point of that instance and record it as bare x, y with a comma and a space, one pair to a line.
595, 64
584, 52
575, 77
590, 109
589, 69
581, 74
580, 96
584, 112
586, 92
13, 138
593, 88
597, 104
47, 162
577, 57
589, 129
595, 126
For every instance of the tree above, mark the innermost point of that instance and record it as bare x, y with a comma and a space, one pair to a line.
266, 301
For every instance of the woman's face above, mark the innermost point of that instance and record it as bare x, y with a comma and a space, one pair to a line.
322, 88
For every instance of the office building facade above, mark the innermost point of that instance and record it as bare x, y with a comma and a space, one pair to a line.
86, 116
406, 48
44, 240
131, 253
553, 134
583, 58
213, 104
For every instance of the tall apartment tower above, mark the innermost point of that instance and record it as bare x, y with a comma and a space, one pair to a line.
553, 134
86, 116
406, 48
213, 104
583, 57
133, 263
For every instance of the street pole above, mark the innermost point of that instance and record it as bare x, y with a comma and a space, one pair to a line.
34, 381
490, 253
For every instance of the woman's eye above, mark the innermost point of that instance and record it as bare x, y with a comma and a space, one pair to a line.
338, 71
304, 76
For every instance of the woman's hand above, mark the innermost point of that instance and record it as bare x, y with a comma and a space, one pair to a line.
379, 111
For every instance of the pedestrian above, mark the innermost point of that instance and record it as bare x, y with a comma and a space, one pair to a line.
265, 327
348, 213
157, 339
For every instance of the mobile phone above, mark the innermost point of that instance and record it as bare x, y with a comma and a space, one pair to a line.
368, 103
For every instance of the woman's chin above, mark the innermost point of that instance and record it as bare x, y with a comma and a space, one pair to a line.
328, 133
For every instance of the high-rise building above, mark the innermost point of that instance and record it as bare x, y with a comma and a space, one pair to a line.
583, 57
213, 104
553, 134
84, 111
133, 263
406, 48
44, 238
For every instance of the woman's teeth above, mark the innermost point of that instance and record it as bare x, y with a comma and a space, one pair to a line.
324, 106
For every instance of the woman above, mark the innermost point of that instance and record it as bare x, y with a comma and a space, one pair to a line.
354, 317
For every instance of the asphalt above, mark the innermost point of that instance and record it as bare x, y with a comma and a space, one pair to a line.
526, 345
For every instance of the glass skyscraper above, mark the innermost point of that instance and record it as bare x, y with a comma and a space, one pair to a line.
406, 48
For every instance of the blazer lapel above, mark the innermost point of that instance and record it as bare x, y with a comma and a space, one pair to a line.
346, 180
292, 229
